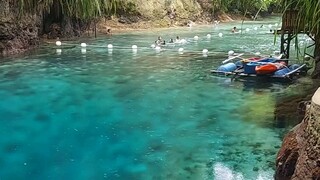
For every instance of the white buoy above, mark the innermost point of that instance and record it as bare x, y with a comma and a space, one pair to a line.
307, 57
110, 46
270, 26
180, 50
134, 47
255, 28
276, 24
247, 29
153, 46
258, 53
83, 50
196, 38
208, 36
230, 53
220, 34
83, 45
205, 51
58, 51
58, 43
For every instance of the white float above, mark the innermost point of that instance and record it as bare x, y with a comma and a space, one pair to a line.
83, 45
220, 34
270, 26
230, 53
208, 36
255, 28
247, 29
307, 57
205, 51
134, 47
153, 46
180, 50
58, 43
196, 38
110, 46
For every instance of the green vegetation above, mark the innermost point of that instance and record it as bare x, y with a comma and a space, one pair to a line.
82, 9
244, 6
308, 20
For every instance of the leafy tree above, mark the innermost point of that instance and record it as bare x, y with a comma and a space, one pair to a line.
242, 5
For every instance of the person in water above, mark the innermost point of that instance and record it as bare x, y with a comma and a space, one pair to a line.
177, 39
171, 41
160, 41
234, 29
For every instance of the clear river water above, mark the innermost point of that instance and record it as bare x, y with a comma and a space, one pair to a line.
121, 114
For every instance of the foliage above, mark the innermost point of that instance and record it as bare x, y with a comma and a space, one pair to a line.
308, 18
82, 9
308, 13
241, 5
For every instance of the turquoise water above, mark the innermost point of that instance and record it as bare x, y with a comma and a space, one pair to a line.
120, 114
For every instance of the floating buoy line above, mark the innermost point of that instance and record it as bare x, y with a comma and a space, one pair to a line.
157, 48
135, 48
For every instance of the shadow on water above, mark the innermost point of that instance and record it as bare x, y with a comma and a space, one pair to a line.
265, 105
285, 102
263, 84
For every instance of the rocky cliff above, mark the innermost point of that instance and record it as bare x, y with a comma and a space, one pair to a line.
164, 13
299, 156
17, 34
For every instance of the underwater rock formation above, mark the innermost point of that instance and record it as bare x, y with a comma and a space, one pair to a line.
299, 156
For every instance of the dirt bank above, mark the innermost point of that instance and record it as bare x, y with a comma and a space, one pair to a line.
118, 25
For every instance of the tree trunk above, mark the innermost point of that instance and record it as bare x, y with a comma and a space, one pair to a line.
255, 17
316, 72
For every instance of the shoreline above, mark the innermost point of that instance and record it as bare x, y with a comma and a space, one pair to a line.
145, 25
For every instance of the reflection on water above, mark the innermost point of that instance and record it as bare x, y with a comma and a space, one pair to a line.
119, 114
